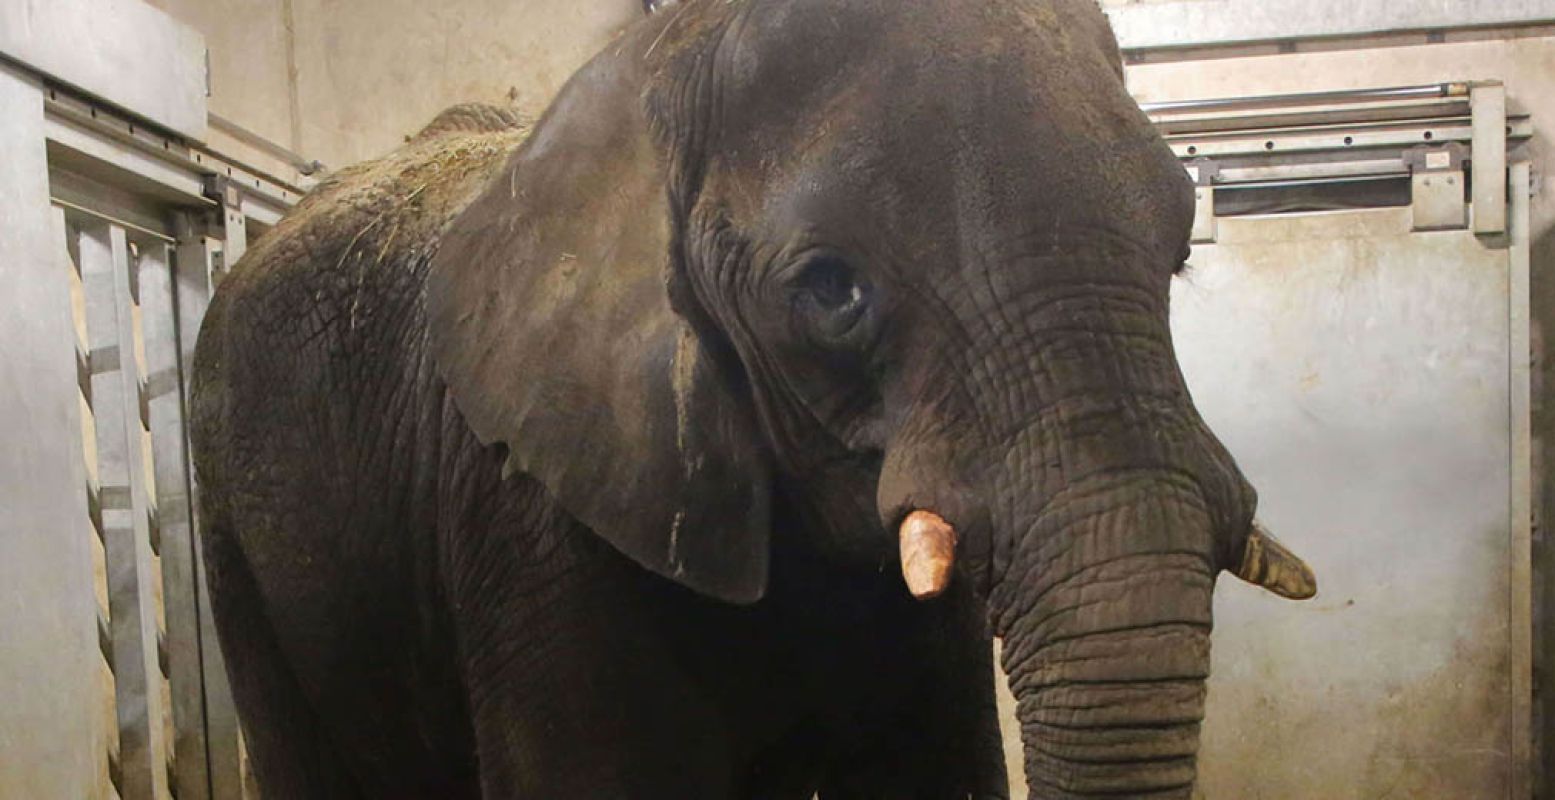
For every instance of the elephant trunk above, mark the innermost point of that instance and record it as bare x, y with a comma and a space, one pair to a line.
1105, 614
1079, 489
1110, 516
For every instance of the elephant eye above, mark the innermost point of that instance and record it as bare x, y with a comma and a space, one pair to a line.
829, 281
830, 295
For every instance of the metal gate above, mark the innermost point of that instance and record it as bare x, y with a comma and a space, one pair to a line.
111, 236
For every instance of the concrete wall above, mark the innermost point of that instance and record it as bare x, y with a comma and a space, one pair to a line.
372, 71
344, 80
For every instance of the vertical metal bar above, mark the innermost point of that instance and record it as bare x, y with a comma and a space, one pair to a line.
192, 293
224, 734
105, 737
1521, 566
1487, 102
1203, 215
234, 245
51, 735
170, 459
105, 271
234, 233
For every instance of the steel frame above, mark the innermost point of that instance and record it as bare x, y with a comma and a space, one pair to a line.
1440, 136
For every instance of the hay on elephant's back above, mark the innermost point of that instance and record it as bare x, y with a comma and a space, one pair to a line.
464, 139
402, 201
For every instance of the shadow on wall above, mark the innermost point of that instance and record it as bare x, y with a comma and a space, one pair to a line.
1009, 728
1542, 300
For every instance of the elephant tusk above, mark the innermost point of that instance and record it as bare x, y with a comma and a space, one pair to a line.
1267, 563
928, 553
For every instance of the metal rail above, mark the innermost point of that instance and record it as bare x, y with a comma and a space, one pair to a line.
303, 165
1426, 92
196, 174
1186, 26
1451, 140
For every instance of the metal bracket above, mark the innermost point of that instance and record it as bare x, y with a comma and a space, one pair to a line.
1203, 172
234, 224
1437, 198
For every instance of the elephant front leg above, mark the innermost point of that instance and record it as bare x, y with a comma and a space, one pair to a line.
571, 692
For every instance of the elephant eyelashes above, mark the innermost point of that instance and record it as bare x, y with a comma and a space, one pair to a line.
829, 299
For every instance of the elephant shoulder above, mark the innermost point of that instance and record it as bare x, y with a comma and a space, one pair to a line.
388, 211
341, 274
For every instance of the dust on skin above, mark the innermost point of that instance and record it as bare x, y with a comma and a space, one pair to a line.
681, 383
408, 193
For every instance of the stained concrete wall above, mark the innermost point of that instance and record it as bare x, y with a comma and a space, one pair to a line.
344, 80
371, 71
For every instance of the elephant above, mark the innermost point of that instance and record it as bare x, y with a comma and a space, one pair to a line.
698, 439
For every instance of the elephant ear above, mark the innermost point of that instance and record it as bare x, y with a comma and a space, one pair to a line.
552, 325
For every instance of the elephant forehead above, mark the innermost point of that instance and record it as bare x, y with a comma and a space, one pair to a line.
961, 133
776, 63
888, 195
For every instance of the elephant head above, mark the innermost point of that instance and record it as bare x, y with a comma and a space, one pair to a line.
843, 262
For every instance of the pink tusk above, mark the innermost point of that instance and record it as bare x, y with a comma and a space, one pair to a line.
928, 553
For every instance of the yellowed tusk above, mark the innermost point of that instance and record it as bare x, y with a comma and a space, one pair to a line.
928, 553
1266, 563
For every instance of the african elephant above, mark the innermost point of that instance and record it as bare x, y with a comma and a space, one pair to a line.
580, 461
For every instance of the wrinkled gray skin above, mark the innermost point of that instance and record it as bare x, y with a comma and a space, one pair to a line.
585, 483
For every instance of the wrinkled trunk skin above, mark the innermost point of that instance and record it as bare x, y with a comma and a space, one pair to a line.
1109, 657
1104, 607
1115, 497
1099, 509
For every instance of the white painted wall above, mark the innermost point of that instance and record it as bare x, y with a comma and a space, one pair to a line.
344, 80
